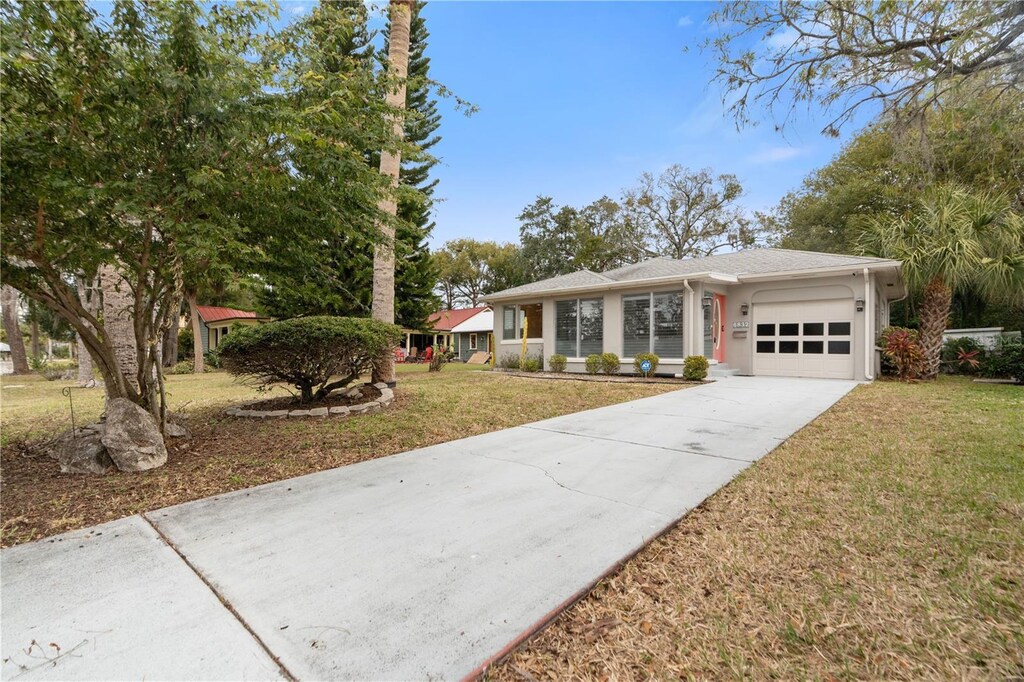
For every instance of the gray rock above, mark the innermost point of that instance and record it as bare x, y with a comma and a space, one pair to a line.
177, 417
83, 452
386, 395
380, 385
340, 411
132, 437
299, 413
176, 430
231, 411
354, 392
318, 412
276, 413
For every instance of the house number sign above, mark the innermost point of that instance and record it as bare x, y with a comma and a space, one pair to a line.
741, 325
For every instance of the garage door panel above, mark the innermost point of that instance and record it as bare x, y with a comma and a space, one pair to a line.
804, 338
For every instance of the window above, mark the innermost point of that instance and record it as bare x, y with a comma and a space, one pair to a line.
508, 323
652, 322
579, 327
814, 328
839, 347
789, 346
814, 347
765, 346
516, 318
766, 330
839, 328
792, 329
472, 341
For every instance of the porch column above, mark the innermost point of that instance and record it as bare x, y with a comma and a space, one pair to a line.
408, 342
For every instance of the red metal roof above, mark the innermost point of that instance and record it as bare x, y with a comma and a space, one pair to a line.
216, 313
444, 320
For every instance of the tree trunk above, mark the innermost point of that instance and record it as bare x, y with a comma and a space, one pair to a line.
13, 330
118, 323
33, 329
170, 345
89, 299
199, 363
391, 165
935, 306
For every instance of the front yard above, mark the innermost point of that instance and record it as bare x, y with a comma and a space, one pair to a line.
227, 453
883, 541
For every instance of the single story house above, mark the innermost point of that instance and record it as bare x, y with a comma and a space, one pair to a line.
474, 334
438, 329
772, 312
216, 321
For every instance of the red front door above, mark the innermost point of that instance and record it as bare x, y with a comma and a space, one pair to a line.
718, 327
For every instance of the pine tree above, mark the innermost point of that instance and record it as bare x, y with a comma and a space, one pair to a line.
416, 277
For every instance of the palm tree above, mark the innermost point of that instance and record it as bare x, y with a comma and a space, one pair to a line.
390, 166
957, 239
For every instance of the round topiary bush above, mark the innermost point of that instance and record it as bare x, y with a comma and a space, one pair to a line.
557, 363
639, 359
695, 368
316, 355
593, 364
610, 363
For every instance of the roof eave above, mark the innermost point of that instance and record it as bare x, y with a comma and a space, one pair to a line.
614, 286
817, 272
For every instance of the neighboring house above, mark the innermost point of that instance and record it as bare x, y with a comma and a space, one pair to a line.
438, 329
770, 312
216, 321
474, 334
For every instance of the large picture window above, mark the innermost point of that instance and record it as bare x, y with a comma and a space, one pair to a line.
516, 318
579, 327
652, 323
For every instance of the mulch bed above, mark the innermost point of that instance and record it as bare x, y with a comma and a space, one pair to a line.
337, 399
600, 378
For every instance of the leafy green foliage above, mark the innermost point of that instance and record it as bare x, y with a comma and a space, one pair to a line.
593, 364
468, 269
438, 359
610, 363
957, 356
531, 363
1006, 361
557, 363
316, 355
639, 359
509, 361
695, 368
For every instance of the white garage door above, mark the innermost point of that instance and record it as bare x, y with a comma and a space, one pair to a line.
804, 339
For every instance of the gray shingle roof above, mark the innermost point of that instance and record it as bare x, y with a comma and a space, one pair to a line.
749, 262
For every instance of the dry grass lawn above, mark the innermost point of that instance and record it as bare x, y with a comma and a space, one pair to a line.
227, 453
883, 541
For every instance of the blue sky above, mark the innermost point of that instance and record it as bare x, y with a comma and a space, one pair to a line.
578, 98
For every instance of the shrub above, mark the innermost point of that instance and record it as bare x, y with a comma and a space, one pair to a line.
509, 361
1005, 361
901, 348
531, 364
962, 356
557, 363
37, 363
610, 363
695, 368
309, 353
211, 358
593, 364
182, 367
185, 342
638, 360
438, 359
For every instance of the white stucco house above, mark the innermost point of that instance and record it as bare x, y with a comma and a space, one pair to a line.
772, 312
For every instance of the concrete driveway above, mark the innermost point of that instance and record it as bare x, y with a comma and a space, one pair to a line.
423, 565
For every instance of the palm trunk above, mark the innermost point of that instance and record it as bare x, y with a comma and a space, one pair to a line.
935, 306
13, 330
391, 165
199, 362
118, 323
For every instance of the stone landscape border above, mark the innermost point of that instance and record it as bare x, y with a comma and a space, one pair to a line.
387, 396
602, 378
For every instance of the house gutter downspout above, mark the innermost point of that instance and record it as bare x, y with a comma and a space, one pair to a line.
869, 334
688, 350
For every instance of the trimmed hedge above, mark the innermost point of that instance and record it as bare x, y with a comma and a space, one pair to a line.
593, 364
695, 368
557, 363
610, 363
645, 356
309, 352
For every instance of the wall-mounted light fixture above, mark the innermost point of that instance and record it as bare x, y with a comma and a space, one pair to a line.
860, 305
744, 308
708, 298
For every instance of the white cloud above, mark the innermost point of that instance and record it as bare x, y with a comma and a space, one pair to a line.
685, 21
780, 40
297, 8
769, 155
